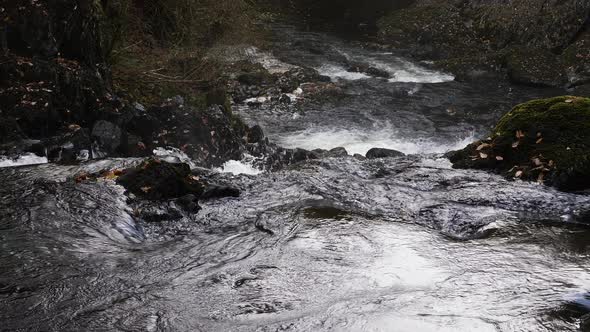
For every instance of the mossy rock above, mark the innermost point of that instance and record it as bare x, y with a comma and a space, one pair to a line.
545, 140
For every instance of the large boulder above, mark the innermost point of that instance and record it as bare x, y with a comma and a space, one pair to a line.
155, 179
376, 153
546, 140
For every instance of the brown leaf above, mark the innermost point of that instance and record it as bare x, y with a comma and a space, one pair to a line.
537, 161
483, 146
569, 101
539, 140
520, 134
483, 155
515, 144
518, 174
499, 158
146, 189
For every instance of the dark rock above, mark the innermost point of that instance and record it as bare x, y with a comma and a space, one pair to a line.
151, 212
254, 78
219, 192
107, 135
255, 134
337, 152
9, 130
209, 137
293, 78
189, 203
375, 153
156, 180
284, 99
585, 323
359, 157
361, 67
535, 67
546, 140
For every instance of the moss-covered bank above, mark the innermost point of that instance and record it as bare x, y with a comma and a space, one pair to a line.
533, 41
546, 140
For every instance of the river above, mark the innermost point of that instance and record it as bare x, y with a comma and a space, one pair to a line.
335, 244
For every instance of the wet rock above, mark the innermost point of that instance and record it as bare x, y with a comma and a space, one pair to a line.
535, 67
255, 134
576, 59
293, 78
214, 191
150, 212
189, 203
358, 156
544, 140
209, 137
155, 179
337, 152
107, 135
9, 130
361, 67
585, 323
375, 153
284, 99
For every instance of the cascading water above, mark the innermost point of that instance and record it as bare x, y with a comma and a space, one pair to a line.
332, 244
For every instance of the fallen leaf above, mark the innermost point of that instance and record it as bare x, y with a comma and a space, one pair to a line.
539, 140
483, 155
518, 174
499, 158
483, 146
537, 161
520, 134
569, 101
146, 189
74, 127
515, 145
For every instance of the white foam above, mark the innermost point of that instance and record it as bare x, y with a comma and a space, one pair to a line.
236, 167
22, 160
357, 141
340, 73
407, 72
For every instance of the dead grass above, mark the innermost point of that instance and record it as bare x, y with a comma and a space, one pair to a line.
161, 47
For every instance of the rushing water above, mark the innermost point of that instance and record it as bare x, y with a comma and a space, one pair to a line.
336, 244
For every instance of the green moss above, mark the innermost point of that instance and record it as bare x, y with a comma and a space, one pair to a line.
556, 130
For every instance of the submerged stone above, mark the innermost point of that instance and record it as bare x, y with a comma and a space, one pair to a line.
545, 140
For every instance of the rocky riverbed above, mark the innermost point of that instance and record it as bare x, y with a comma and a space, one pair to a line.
309, 189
